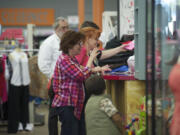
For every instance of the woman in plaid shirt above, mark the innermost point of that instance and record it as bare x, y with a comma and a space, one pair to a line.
68, 83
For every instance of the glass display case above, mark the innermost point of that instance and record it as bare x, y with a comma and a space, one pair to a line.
157, 48
162, 25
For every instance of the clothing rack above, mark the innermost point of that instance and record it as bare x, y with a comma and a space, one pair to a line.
7, 51
24, 50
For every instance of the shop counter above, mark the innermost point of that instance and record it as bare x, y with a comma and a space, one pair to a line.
119, 76
126, 92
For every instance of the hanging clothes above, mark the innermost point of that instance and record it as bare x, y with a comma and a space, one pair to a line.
3, 88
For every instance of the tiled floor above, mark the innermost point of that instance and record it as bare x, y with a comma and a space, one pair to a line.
38, 130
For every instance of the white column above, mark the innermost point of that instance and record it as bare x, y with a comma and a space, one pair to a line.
30, 36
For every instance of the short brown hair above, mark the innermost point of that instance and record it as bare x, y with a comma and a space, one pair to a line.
95, 84
90, 32
70, 39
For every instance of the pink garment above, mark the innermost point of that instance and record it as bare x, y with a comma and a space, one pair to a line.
174, 81
130, 45
3, 88
83, 57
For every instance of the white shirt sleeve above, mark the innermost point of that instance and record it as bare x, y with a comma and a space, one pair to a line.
48, 55
45, 60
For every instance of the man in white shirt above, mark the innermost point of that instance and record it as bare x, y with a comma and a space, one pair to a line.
47, 57
49, 50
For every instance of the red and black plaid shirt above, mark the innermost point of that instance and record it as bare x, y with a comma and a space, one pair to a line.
68, 83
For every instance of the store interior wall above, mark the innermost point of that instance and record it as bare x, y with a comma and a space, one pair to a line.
62, 7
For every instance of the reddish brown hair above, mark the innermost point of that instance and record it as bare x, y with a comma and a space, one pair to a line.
90, 32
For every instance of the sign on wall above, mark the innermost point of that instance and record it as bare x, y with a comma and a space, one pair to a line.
126, 17
24, 16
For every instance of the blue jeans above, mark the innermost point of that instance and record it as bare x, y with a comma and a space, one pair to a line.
70, 125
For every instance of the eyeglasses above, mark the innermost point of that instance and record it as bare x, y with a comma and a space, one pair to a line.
80, 43
64, 27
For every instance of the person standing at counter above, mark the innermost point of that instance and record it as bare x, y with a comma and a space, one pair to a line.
68, 83
91, 42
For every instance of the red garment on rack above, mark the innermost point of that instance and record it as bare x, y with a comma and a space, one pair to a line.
3, 88
174, 81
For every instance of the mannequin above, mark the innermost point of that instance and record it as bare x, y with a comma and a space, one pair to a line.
18, 113
174, 81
